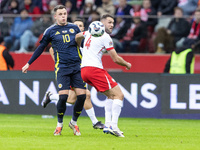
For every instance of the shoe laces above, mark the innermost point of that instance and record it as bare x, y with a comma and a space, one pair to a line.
76, 128
58, 129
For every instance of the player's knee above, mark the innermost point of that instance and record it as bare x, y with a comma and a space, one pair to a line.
63, 99
88, 95
121, 97
81, 98
61, 105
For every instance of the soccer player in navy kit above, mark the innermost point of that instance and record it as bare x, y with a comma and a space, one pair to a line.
62, 36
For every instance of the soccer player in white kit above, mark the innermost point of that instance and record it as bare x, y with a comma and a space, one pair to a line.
93, 73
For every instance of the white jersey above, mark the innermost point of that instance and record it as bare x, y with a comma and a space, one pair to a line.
93, 49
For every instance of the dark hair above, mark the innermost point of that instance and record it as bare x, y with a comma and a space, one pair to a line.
23, 9
1, 39
178, 8
79, 19
58, 7
106, 16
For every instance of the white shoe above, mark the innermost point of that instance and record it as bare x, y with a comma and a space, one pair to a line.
108, 130
118, 133
75, 129
115, 132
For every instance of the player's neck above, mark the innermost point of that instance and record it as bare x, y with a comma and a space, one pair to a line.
62, 24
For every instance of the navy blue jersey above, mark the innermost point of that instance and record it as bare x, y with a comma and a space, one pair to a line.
62, 38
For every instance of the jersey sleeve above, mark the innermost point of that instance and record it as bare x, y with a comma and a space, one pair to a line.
108, 43
85, 33
46, 39
76, 28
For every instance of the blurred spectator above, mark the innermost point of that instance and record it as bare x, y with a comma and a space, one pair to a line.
45, 6
6, 60
194, 35
30, 7
94, 16
13, 7
68, 6
4, 29
178, 27
188, 6
119, 31
38, 3
146, 11
163, 42
136, 32
76, 4
30, 37
3, 4
166, 7
126, 9
72, 16
52, 4
180, 62
20, 25
155, 4
107, 7
88, 8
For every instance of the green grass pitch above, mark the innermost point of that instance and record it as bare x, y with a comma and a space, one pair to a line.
24, 132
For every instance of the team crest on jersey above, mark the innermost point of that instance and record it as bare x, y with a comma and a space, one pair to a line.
110, 43
71, 30
59, 85
65, 31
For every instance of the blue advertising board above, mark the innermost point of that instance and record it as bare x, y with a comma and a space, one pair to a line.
146, 95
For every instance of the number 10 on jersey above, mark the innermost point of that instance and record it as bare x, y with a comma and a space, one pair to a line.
66, 38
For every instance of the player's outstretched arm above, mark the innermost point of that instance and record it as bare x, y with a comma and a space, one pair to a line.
119, 60
35, 55
79, 37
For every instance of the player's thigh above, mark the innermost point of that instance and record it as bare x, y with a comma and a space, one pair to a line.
71, 97
78, 83
63, 80
80, 91
114, 93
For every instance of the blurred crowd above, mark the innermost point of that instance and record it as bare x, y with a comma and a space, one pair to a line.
141, 26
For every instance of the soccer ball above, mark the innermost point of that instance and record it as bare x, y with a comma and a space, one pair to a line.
96, 29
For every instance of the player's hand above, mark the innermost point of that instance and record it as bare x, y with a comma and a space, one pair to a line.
25, 68
128, 66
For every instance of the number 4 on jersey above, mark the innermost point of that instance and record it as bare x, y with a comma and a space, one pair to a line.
87, 44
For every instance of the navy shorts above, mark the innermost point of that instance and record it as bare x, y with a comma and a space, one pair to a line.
69, 77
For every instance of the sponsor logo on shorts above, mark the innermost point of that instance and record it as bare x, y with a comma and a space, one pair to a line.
113, 80
59, 85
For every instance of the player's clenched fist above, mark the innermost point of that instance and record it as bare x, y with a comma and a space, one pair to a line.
25, 68
128, 67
